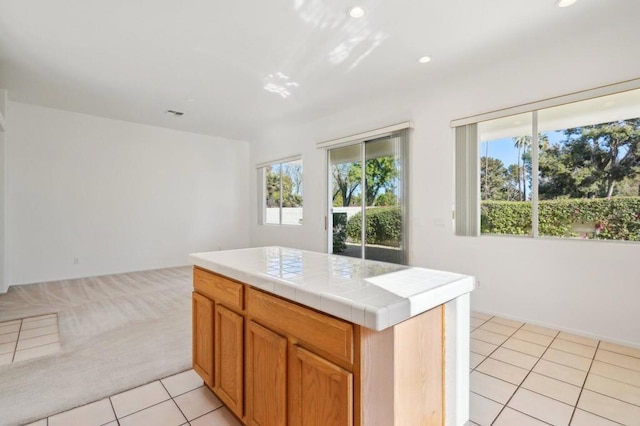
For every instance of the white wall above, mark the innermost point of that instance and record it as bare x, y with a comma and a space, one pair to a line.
587, 287
117, 196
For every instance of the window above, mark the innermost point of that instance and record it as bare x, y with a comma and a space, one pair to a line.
569, 171
282, 186
367, 198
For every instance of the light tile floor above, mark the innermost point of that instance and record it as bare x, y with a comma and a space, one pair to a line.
524, 375
173, 401
520, 374
27, 338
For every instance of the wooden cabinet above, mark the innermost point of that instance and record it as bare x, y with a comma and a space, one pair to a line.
266, 377
270, 361
229, 358
315, 352
327, 335
273, 362
218, 336
320, 392
203, 337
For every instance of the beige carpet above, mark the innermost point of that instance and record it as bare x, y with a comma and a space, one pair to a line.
116, 332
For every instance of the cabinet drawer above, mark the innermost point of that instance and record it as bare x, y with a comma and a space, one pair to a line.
219, 288
329, 334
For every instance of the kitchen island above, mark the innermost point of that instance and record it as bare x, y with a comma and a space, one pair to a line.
291, 337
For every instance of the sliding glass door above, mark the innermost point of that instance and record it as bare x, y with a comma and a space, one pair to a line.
367, 199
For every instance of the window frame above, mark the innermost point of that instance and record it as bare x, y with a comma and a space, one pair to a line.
262, 181
403, 131
467, 158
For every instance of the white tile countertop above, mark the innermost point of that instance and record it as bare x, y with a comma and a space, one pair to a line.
373, 294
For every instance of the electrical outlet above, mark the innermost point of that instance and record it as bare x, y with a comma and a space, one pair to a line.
76, 260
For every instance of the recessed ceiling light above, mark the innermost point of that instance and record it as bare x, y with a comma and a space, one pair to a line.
565, 3
356, 12
424, 59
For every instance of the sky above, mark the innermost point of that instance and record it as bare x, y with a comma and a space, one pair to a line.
505, 150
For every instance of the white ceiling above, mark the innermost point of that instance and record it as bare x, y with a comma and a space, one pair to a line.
235, 67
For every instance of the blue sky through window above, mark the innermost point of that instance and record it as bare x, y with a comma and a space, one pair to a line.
506, 151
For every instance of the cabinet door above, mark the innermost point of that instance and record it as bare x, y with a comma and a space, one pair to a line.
203, 337
320, 392
266, 377
229, 362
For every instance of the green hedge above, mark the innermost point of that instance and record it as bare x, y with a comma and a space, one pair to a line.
339, 232
610, 219
384, 226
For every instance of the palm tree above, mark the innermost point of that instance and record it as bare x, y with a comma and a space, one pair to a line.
522, 143
486, 167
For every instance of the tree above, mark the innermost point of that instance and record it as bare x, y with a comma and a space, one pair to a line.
592, 161
513, 183
493, 185
614, 149
294, 171
346, 180
289, 197
273, 187
388, 198
381, 174
629, 187
290, 194
523, 143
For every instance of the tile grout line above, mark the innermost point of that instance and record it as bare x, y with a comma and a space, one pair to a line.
15, 348
497, 346
9, 332
555, 378
127, 390
114, 410
208, 412
547, 347
586, 377
595, 374
35, 347
485, 356
556, 337
35, 337
183, 393
479, 364
523, 380
20, 330
620, 353
138, 411
616, 353
610, 397
483, 323
34, 316
616, 380
153, 405
174, 401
